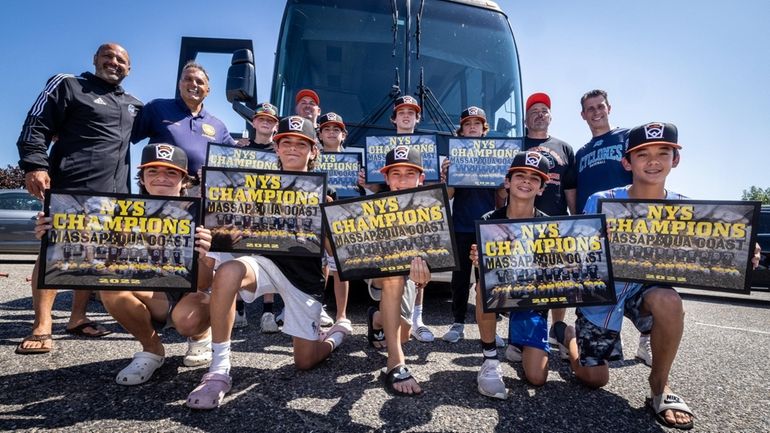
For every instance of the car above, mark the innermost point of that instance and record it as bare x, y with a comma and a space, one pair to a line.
18, 214
760, 277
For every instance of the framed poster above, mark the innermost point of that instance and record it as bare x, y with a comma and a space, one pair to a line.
549, 262
119, 242
226, 156
480, 162
378, 147
264, 211
379, 235
341, 170
701, 244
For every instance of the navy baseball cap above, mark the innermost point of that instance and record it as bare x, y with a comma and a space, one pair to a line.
653, 133
473, 113
403, 156
406, 101
164, 155
295, 126
533, 162
331, 118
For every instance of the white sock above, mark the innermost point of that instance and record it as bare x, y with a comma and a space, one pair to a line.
335, 339
220, 360
417, 316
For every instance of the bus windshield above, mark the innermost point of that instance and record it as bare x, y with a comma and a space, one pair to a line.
344, 50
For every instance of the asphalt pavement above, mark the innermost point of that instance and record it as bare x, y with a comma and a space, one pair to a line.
721, 371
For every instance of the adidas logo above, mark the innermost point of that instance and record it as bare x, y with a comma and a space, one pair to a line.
99, 101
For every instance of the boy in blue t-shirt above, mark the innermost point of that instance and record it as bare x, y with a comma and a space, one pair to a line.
595, 339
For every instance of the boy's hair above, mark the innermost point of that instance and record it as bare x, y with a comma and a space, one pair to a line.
592, 94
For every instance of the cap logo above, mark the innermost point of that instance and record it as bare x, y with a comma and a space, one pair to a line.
653, 131
473, 111
409, 100
401, 153
332, 117
266, 108
533, 159
164, 151
295, 123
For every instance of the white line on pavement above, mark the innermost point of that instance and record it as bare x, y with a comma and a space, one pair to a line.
756, 331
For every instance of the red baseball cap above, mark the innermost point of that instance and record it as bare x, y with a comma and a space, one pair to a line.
307, 92
536, 98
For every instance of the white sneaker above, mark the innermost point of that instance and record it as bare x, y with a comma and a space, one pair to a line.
455, 333
240, 320
422, 333
268, 324
198, 352
490, 380
644, 352
499, 342
513, 353
326, 319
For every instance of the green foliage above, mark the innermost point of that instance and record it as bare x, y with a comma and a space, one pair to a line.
756, 193
11, 177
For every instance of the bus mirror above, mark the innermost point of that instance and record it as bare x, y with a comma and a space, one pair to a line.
240, 77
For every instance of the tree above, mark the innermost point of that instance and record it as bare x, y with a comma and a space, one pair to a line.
11, 177
758, 194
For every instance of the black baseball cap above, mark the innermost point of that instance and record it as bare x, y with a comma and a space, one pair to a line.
402, 156
295, 126
406, 101
473, 113
332, 118
267, 109
164, 155
653, 133
533, 162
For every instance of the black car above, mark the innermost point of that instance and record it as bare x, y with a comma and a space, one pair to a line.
18, 213
761, 276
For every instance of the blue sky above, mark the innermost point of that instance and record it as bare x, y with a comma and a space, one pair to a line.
701, 65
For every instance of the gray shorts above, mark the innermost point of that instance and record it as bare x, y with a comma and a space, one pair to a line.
598, 345
407, 298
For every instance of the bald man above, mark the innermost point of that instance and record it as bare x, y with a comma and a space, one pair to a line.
89, 119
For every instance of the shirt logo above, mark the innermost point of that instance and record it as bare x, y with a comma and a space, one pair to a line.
164, 151
295, 123
208, 130
653, 131
131, 109
99, 101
